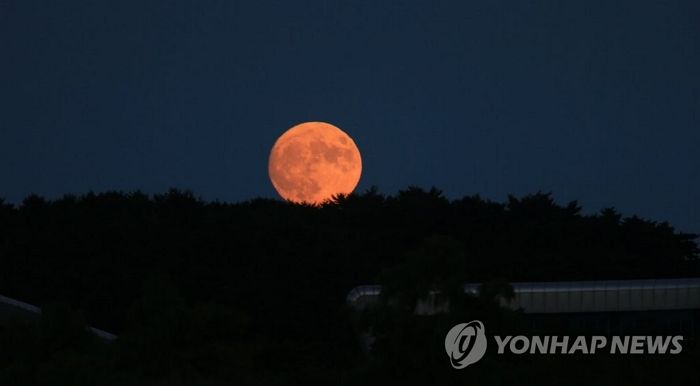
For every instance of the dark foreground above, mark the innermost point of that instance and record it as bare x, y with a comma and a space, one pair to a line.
208, 293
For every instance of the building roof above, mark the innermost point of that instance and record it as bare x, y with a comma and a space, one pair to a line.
9, 306
580, 296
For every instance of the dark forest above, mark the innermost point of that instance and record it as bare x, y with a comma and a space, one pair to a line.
210, 293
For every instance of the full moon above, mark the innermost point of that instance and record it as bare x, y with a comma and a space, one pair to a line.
313, 161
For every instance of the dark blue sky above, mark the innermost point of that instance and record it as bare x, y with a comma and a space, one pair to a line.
593, 100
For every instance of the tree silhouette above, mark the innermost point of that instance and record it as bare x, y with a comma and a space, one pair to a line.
255, 291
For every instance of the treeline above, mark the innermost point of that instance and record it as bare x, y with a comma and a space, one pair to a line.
254, 292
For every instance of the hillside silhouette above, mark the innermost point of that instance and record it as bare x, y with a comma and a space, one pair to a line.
204, 292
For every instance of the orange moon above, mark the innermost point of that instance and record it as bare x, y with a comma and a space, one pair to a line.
313, 161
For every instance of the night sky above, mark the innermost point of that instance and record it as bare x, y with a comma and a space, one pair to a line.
595, 101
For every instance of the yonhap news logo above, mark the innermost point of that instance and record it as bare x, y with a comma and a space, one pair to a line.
466, 344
